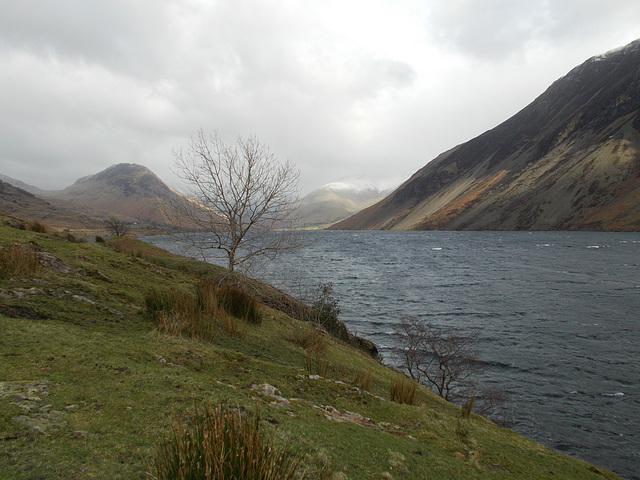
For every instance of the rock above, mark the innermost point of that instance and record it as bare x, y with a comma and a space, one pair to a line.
270, 391
48, 260
28, 397
265, 389
81, 299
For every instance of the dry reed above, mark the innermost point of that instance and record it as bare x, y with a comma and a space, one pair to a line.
223, 443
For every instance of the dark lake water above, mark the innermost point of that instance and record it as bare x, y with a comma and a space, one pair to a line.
558, 317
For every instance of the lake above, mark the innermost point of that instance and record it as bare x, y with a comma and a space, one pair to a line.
557, 313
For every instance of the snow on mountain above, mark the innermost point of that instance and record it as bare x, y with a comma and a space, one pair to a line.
360, 184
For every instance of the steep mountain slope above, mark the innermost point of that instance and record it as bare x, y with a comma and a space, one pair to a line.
20, 184
569, 160
337, 200
19, 202
132, 191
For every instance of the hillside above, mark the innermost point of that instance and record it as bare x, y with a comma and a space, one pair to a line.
338, 200
28, 206
20, 184
90, 383
568, 161
131, 191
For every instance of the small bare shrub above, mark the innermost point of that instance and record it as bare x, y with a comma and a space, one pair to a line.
117, 226
442, 358
403, 390
18, 261
492, 403
223, 443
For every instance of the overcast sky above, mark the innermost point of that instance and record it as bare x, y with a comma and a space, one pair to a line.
340, 87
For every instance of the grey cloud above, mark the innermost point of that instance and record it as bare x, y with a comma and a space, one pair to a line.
131, 37
87, 84
491, 28
499, 29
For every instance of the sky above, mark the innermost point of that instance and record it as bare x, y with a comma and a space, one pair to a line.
339, 87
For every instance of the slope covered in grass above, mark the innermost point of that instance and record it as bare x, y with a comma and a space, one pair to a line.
90, 385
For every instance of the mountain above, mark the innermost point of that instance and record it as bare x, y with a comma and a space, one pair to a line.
20, 184
129, 190
338, 200
22, 203
568, 161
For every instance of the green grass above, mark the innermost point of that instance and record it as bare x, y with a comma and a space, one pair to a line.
91, 385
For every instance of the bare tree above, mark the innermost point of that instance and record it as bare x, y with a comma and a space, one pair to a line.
117, 226
241, 195
439, 357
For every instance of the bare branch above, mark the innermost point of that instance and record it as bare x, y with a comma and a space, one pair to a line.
117, 226
439, 357
241, 195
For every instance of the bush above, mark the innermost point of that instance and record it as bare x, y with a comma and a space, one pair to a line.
69, 237
403, 390
18, 260
223, 443
35, 226
325, 310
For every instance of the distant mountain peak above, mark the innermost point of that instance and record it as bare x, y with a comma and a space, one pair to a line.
115, 171
127, 189
337, 200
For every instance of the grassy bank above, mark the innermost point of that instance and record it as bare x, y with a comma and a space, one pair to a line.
91, 382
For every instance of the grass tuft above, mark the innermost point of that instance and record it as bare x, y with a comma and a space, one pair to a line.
177, 313
240, 304
35, 226
18, 261
311, 339
316, 365
222, 443
467, 408
363, 379
403, 390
